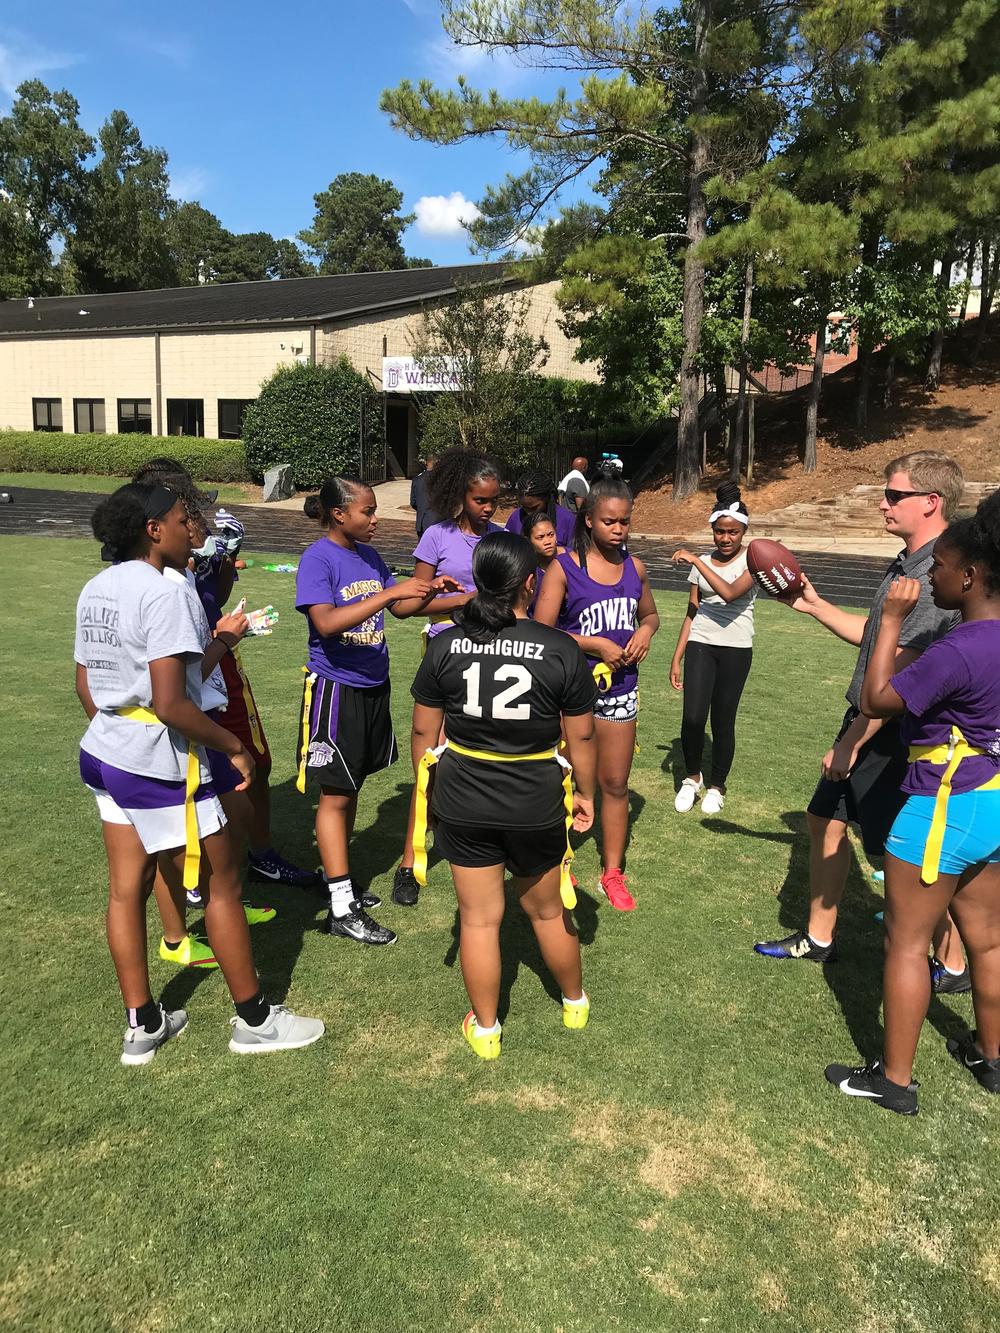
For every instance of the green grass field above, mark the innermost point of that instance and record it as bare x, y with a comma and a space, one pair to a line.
229, 492
680, 1165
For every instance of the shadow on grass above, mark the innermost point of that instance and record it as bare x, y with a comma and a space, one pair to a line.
673, 765
518, 946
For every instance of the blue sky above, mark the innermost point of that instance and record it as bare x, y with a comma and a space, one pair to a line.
260, 104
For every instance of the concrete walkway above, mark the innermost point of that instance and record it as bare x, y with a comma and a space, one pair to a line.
393, 501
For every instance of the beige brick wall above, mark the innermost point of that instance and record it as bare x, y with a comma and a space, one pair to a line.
361, 340
68, 368
209, 366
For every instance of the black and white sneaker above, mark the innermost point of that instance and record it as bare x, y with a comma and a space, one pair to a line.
944, 982
358, 925
268, 867
798, 945
869, 1081
405, 889
967, 1053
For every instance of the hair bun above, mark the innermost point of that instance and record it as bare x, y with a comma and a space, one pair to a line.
728, 494
313, 507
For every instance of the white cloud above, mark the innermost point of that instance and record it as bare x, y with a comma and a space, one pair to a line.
499, 69
189, 184
444, 214
22, 58
177, 51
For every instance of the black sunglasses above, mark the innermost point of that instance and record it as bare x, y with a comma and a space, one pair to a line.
893, 497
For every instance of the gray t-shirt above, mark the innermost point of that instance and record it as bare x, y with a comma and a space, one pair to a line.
128, 616
573, 486
925, 623
725, 624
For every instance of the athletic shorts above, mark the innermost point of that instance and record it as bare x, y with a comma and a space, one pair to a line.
240, 715
154, 807
225, 777
350, 734
525, 852
622, 707
972, 833
870, 796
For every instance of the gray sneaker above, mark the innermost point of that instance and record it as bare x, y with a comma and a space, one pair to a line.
283, 1031
140, 1046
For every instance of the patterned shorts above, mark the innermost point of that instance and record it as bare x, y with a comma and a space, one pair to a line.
617, 707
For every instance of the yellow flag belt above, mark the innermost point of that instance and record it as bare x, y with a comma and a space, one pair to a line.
192, 781
950, 753
430, 758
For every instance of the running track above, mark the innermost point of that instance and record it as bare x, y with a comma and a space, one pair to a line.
848, 579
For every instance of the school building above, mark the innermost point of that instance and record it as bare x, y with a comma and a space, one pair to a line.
188, 360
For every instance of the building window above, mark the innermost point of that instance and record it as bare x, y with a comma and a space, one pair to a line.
47, 413
88, 416
135, 416
185, 416
231, 414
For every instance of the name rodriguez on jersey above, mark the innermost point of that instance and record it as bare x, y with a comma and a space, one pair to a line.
498, 648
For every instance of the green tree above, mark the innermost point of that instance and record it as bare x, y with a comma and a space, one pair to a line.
311, 417
358, 225
206, 252
120, 240
481, 336
664, 101
42, 151
197, 239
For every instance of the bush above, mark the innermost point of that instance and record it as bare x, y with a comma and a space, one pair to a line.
120, 455
309, 416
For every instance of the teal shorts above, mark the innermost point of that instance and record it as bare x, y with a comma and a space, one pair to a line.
972, 834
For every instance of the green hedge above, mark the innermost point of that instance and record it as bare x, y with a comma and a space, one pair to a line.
120, 455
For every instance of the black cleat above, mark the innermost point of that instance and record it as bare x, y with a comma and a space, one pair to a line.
944, 982
405, 889
869, 1081
798, 945
270, 868
967, 1053
358, 925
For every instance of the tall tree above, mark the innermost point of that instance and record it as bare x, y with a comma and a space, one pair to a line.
358, 225
42, 151
662, 99
206, 252
120, 241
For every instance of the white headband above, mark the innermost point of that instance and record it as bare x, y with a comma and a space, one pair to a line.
733, 511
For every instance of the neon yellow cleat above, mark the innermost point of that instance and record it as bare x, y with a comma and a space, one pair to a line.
191, 952
256, 916
486, 1047
576, 1015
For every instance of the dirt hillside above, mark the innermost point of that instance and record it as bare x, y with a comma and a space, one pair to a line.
962, 419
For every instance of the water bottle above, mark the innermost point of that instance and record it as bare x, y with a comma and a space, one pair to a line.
280, 569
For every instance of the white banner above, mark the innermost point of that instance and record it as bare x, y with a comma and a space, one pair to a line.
404, 374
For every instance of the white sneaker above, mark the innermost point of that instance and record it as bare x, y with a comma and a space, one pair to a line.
712, 802
685, 798
283, 1031
140, 1046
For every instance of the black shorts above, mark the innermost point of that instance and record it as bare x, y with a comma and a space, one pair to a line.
870, 797
350, 734
525, 852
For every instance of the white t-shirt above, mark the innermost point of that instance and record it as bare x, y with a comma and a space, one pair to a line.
128, 616
580, 486
725, 624
213, 686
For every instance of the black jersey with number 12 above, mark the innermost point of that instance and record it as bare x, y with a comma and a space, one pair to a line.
506, 697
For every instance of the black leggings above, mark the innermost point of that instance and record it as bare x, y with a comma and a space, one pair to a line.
713, 682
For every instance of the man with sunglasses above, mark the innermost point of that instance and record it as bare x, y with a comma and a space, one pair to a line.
863, 769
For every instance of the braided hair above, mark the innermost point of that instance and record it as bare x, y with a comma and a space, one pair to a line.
727, 495
536, 484
335, 493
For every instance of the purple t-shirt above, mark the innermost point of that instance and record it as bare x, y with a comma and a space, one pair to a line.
565, 525
450, 550
954, 682
332, 575
597, 610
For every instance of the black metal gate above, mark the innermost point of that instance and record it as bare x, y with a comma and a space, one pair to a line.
371, 442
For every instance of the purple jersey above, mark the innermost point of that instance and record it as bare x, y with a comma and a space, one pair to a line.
596, 610
954, 683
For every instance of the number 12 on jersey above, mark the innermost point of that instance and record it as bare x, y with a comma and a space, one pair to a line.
501, 709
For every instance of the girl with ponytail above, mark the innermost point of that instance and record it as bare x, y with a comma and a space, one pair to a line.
343, 588
599, 595
716, 646
501, 684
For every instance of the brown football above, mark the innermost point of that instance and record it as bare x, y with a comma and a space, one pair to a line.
774, 567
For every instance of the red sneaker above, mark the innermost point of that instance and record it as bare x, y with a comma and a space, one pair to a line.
614, 887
